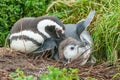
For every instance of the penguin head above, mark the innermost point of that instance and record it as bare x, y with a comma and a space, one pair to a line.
59, 28
55, 32
69, 49
52, 26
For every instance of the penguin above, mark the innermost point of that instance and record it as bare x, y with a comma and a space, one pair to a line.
81, 36
30, 33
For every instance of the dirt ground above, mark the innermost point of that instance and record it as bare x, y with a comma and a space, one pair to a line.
11, 60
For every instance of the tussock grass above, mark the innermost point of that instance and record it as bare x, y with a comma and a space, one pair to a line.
106, 36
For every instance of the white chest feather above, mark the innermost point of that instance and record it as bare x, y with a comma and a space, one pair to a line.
23, 46
26, 46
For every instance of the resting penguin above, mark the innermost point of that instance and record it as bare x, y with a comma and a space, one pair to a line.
77, 45
70, 51
29, 34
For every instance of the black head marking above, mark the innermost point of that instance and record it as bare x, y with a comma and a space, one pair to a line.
51, 31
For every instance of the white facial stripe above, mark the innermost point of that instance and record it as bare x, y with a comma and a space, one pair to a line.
23, 46
29, 34
47, 22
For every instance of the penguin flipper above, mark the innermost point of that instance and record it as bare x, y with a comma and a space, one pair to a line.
84, 23
89, 18
48, 44
80, 27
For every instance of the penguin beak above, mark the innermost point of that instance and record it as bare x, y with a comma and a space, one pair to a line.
60, 33
61, 30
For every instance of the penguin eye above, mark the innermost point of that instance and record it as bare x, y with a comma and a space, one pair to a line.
72, 48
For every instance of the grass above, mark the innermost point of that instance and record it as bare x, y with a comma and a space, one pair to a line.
52, 74
60, 74
20, 75
105, 28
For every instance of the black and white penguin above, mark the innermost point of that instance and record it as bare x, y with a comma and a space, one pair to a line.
28, 34
79, 32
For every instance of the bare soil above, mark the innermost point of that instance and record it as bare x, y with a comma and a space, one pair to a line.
11, 60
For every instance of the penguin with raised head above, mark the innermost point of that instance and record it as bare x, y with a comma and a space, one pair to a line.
29, 34
80, 35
